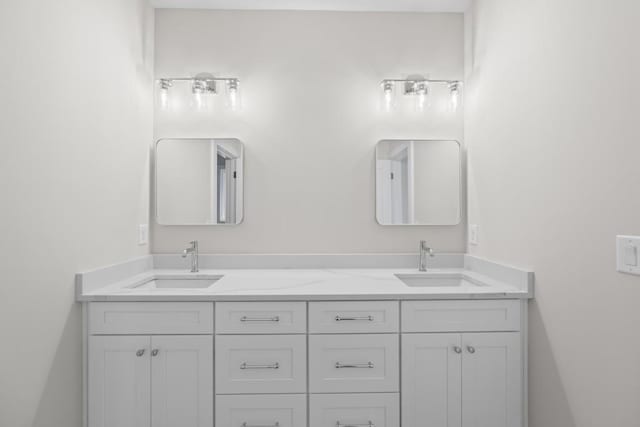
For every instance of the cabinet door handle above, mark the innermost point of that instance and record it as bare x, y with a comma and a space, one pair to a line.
457, 349
154, 352
260, 319
276, 424
140, 352
342, 318
367, 424
471, 349
271, 366
368, 365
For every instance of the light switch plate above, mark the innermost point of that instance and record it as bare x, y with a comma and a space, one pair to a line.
143, 234
627, 254
473, 234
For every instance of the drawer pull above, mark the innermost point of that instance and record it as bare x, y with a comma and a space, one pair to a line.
369, 424
139, 353
272, 366
366, 318
276, 424
260, 319
368, 365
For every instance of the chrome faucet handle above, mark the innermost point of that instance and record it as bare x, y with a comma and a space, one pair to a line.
190, 249
425, 248
193, 250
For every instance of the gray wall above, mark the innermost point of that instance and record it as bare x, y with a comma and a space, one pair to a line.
310, 120
552, 130
76, 130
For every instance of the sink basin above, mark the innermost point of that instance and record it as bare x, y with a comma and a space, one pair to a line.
185, 283
421, 280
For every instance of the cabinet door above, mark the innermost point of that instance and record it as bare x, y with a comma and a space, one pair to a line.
492, 380
119, 381
182, 381
431, 380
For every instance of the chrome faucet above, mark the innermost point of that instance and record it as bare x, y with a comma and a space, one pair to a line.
424, 250
193, 250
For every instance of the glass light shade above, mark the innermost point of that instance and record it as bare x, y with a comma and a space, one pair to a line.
233, 94
421, 90
163, 94
454, 93
387, 101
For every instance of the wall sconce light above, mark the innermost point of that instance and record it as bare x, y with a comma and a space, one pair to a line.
387, 95
164, 93
420, 88
454, 90
233, 87
202, 84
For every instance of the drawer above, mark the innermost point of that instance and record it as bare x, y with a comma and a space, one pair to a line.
261, 364
261, 318
353, 363
276, 410
351, 410
150, 318
344, 317
460, 316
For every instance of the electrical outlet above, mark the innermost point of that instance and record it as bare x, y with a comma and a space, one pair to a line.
473, 234
143, 234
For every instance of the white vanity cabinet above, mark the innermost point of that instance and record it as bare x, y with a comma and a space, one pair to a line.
354, 348
137, 378
119, 378
261, 364
463, 379
410, 363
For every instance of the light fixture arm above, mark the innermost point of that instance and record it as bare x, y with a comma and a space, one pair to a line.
200, 79
447, 82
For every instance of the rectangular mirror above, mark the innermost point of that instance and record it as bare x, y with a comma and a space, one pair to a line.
199, 181
418, 182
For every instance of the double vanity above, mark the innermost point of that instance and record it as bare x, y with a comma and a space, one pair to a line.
330, 343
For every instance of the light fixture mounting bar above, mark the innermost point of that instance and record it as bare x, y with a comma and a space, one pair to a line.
200, 79
449, 82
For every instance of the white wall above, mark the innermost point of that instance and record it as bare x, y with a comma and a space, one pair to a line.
552, 108
437, 175
76, 127
180, 191
310, 120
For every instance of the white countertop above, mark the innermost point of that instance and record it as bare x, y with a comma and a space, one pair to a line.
306, 284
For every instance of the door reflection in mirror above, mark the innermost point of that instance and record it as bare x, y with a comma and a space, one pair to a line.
199, 181
418, 182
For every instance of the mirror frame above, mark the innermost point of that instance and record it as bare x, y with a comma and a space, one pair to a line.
460, 185
155, 183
